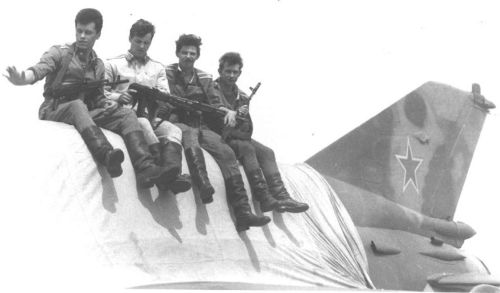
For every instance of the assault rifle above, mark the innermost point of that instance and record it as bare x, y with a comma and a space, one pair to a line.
254, 91
70, 90
241, 131
148, 95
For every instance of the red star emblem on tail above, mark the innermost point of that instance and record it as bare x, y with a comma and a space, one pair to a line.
410, 164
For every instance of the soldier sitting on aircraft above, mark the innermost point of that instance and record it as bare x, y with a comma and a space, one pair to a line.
136, 66
74, 67
257, 159
188, 82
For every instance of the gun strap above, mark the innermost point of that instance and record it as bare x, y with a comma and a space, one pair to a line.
60, 74
64, 67
157, 124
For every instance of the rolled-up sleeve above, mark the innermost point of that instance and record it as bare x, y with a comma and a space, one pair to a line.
162, 81
48, 63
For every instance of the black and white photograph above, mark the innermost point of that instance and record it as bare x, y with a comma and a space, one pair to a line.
250, 145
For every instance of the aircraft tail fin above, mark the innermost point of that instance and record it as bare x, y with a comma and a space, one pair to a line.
415, 153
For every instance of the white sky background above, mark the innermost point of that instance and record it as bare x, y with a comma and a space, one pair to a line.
325, 67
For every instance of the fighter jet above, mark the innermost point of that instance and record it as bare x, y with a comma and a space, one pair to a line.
400, 175
382, 200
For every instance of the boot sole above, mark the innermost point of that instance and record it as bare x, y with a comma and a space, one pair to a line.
114, 163
207, 195
292, 210
244, 227
166, 177
274, 207
241, 228
179, 186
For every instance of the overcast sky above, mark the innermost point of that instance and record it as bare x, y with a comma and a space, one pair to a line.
325, 67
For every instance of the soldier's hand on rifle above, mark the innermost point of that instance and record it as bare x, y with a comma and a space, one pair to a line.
230, 118
163, 111
19, 78
243, 110
126, 97
110, 106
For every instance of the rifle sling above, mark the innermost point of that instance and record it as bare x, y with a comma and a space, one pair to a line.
60, 74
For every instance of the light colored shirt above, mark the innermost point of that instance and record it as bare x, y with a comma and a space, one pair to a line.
146, 72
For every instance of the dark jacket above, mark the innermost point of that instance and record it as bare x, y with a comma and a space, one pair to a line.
243, 130
51, 62
200, 88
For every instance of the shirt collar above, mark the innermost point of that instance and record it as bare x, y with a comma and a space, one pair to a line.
234, 89
130, 57
179, 71
92, 56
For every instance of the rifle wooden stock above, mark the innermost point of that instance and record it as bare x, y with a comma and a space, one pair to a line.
150, 95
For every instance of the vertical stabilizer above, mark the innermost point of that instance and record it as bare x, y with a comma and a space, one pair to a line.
415, 153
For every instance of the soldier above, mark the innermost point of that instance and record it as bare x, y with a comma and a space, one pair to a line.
188, 82
257, 159
86, 111
136, 66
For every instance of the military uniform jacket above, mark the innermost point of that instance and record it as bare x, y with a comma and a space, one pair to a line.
199, 88
233, 101
51, 62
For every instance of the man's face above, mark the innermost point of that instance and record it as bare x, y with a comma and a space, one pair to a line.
139, 46
230, 73
86, 35
187, 56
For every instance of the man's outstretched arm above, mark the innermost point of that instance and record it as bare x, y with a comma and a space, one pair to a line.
20, 78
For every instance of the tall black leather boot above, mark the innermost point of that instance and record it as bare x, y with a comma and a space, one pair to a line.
155, 150
147, 172
238, 199
171, 156
102, 151
260, 191
279, 192
198, 170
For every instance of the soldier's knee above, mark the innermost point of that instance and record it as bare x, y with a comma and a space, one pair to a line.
169, 131
76, 105
175, 135
227, 153
247, 149
270, 153
128, 112
144, 123
127, 115
266, 152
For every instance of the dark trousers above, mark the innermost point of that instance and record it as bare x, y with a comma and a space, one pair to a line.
253, 155
121, 121
222, 153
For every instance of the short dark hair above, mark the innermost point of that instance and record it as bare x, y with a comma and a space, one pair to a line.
88, 15
141, 28
231, 58
188, 40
